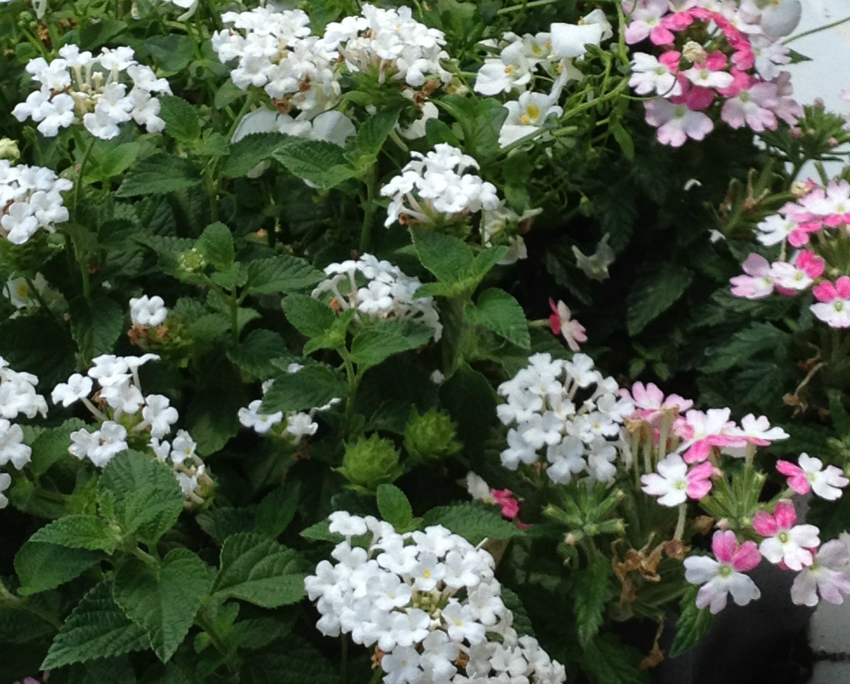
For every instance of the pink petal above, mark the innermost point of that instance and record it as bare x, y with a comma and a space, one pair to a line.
697, 489
788, 468
800, 484
756, 265
661, 36
716, 61
698, 451
765, 524
785, 515
825, 292
747, 557
701, 472
724, 545
671, 60
842, 286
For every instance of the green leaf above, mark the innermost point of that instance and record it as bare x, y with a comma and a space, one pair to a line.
321, 532
250, 151
52, 444
181, 120
317, 161
609, 662
299, 662
373, 132
445, 256
471, 402
257, 569
471, 521
78, 532
840, 419
394, 507
157, 175
45, 566
310, 317
281, 274
147, 499
312, 386
591, 592
221, 522
96, 628
39, 345
112, 162
257, 351
624, 140
96, 326
654, 294
744, 345
216, 246
277, 509
379, 341
163, 600
521, 623
173, 52
501, 313
693, 623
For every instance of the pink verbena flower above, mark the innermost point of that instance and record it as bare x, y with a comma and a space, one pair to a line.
650, 402
752, 106
674, 483
725, 575
833, 307
824, 575
832, 206
676, 121
758, 431
646, 23
505, 498
561, 323
757, 283
703, 430
711, 73
800, 274
785, 541
810, 475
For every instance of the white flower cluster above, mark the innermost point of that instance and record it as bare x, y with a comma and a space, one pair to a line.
429, 601
390, 42
30, 198
387, 295
123, 404
79, 87
579, 433
17, 397
148, 311
276, 52
298, 424
435, 187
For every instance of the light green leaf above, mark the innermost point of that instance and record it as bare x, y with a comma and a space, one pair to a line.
312, 386
379, 341
321, 532
394, 507
163, 600
181, 120
281, 274
216, 246
310, 317
471, 521
52, 444
373, 132
250, 151
45, 566
654, 293
173, 52
112, 162
319, 162
157, 175
445, 256
624, 140
257, 569
501, 313
96, 628
78, 532
591, 592
277, 509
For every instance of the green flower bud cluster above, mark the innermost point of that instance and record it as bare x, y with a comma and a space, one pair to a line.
431, 436
370, 462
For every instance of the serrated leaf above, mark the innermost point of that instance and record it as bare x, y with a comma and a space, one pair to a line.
181, 120
521, 623
317, 161
45, 566
39, 345
245, 154
257, 569
281, 274
653, 294
96, 628
78, 532
310, 317
624, 140
472, 522
96, 326
221, 522
394, 507
52, 444
377, 342
838, 414
277, 509
257, 351
591, 592
445, 256
321, 532
609, 662
146, 497
744, 345
312, 386
19, 626
158, 175
372, 133
216, 246
112, 162
163, 600
501, 313
693, 624
173, 52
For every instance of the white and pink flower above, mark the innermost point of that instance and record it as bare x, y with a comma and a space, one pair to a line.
825, 576
811, 476
785, 541
563, 324
674, 483
757, 283
725, 575
833, 307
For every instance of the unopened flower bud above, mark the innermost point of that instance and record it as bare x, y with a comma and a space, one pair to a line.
9, 149
571, 539
796, 132
799, 189
723, 524
430, 436
694, 52
819, 103
370, 462
191, 261
832, 142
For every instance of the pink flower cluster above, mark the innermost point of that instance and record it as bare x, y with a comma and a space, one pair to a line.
736, 63
822, 211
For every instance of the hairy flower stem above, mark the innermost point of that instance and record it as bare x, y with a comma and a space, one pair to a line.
368, 209
680, 524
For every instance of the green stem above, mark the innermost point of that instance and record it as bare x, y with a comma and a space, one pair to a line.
9, 600
368, 210
37, 296
377, 676
141, 555
525, 5
353, 382
83, 164
825, 27
202, 621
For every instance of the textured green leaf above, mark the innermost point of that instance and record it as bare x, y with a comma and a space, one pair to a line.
181, 120
221, 522
257, 351
317, 161
840, 419
52, 444
372, 133
693, 623
310, 317
653, 294
163, 601
744, 345
173, 52
96, 326
78, 532
299, 662
39, 345
609, 662
312, 386
281, 274
112, 162
216, 246
96, 628
277, 509
379, 341
394, 507
158, 175
501, 313
45, 566
445, 256
147, 499
250, 151
591, 592
321, 532
257, 569
471, 521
